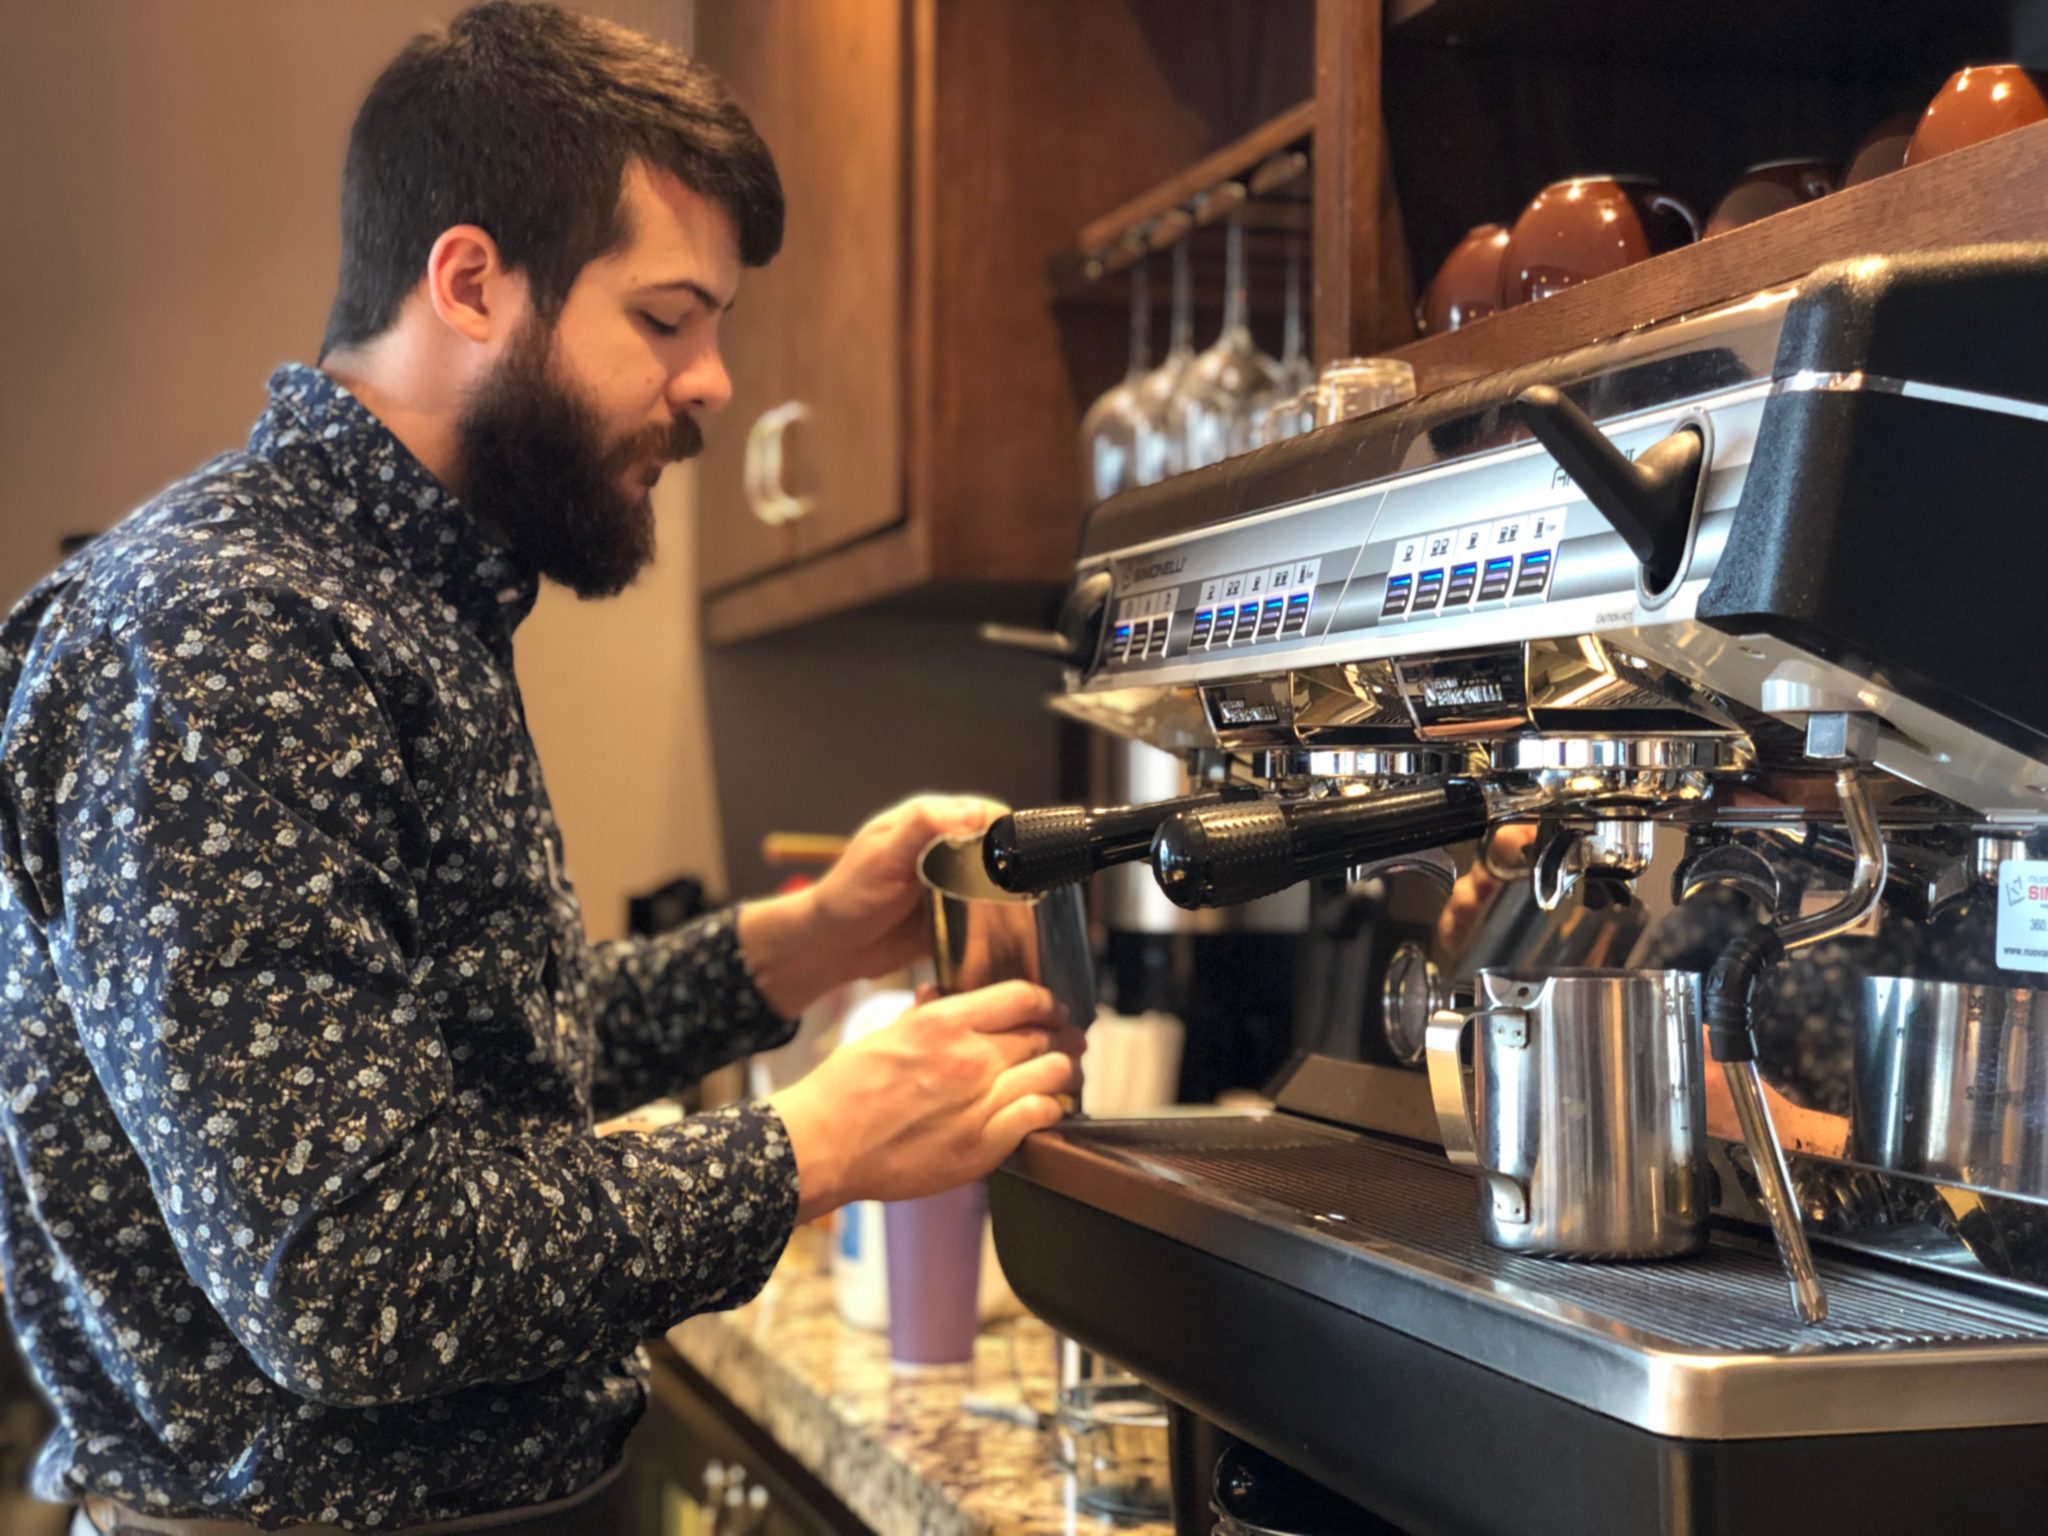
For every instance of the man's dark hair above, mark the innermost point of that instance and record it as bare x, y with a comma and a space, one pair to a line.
522, 119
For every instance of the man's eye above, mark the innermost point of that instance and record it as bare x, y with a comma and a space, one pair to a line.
657, 326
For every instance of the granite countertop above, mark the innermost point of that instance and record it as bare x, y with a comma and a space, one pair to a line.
898, 1449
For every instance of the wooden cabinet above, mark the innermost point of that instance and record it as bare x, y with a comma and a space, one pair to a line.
815, 345
937, 155
968, 178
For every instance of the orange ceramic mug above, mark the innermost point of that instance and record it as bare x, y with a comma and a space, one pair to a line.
1467, 285
1977, 104
1587, 226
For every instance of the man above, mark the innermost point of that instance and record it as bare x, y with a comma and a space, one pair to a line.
304, 1218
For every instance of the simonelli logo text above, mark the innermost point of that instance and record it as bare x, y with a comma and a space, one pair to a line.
1158, 568
1455, 693
1231, 711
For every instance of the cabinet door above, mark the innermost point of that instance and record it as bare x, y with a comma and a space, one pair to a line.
816, 343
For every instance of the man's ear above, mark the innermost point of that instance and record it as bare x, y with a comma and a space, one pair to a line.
469, 287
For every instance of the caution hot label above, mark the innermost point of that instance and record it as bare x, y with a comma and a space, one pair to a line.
2023, 914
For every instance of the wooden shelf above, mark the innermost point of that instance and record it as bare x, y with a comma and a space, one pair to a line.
1995, 191
1268, 162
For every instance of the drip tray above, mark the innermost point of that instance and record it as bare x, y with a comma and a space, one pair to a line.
1700, 1348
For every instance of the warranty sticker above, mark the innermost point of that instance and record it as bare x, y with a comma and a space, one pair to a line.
2023, 914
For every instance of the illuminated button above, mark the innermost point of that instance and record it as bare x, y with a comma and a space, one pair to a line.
1429, 586
1297, 614
1269, 617
1247, 624
1463, 579
1534, 576
1398, 588
1205, 621
1500, 575
1226, 621
1120, 642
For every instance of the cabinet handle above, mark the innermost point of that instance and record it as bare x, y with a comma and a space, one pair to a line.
766, 495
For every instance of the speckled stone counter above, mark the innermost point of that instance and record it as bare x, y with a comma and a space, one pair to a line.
897, 1449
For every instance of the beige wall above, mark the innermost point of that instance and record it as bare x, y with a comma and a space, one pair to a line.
169, 179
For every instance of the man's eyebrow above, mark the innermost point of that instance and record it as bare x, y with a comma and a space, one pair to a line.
696, 290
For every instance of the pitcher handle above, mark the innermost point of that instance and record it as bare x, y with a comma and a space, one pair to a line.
1442, 1043
1680, 207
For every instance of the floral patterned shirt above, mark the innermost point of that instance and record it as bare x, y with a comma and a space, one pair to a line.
301, 1039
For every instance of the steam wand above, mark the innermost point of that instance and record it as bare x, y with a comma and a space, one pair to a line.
1733, 1041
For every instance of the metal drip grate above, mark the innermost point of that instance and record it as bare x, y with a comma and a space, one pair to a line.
1367, 1194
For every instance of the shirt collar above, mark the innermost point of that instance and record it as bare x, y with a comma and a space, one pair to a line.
383, 487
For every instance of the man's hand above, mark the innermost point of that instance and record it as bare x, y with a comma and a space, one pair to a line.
936, 1099
866, 917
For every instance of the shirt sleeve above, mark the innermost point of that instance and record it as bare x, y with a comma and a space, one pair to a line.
674, 1006
229, 873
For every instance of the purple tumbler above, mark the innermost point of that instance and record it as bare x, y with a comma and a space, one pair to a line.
935, 1275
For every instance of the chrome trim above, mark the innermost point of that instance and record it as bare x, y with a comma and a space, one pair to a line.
1366, 763
1856, 381
1677, 754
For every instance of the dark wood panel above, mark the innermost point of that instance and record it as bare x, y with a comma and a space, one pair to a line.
1991, 192
1043, 116
1364, 290
813, 730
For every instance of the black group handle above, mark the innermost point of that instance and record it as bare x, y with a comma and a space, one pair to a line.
1648, 499
1026, 852
1233, 853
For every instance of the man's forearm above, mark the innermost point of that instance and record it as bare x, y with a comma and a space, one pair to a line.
779, 937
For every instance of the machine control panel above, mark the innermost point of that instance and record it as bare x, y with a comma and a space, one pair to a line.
1464, 547
1249, 606
1139, 629
1509, 559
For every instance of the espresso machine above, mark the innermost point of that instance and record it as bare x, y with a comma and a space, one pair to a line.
1697, 1181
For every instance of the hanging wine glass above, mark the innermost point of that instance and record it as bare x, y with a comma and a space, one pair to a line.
1289, 411
1114, 424
1211, 413
1158, 449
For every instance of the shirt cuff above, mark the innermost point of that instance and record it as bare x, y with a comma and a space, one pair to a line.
757, 1023
755, 1171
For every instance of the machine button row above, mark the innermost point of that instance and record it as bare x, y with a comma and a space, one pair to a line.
1437, 589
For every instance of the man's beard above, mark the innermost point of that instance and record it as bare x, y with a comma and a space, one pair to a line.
537, 470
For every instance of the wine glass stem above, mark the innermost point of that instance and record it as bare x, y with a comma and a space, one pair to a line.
1141, 324
1290, 351
1234, 299
1183, 339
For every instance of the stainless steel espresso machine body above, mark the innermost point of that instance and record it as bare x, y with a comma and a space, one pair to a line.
1708, 651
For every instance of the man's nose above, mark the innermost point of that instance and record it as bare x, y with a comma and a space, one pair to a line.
702, 387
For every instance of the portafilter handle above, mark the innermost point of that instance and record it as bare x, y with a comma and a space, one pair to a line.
1030, 852
1235, 853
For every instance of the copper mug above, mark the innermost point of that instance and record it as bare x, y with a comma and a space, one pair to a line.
1770, 188
1467, 286
1587, 226
1977, 104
